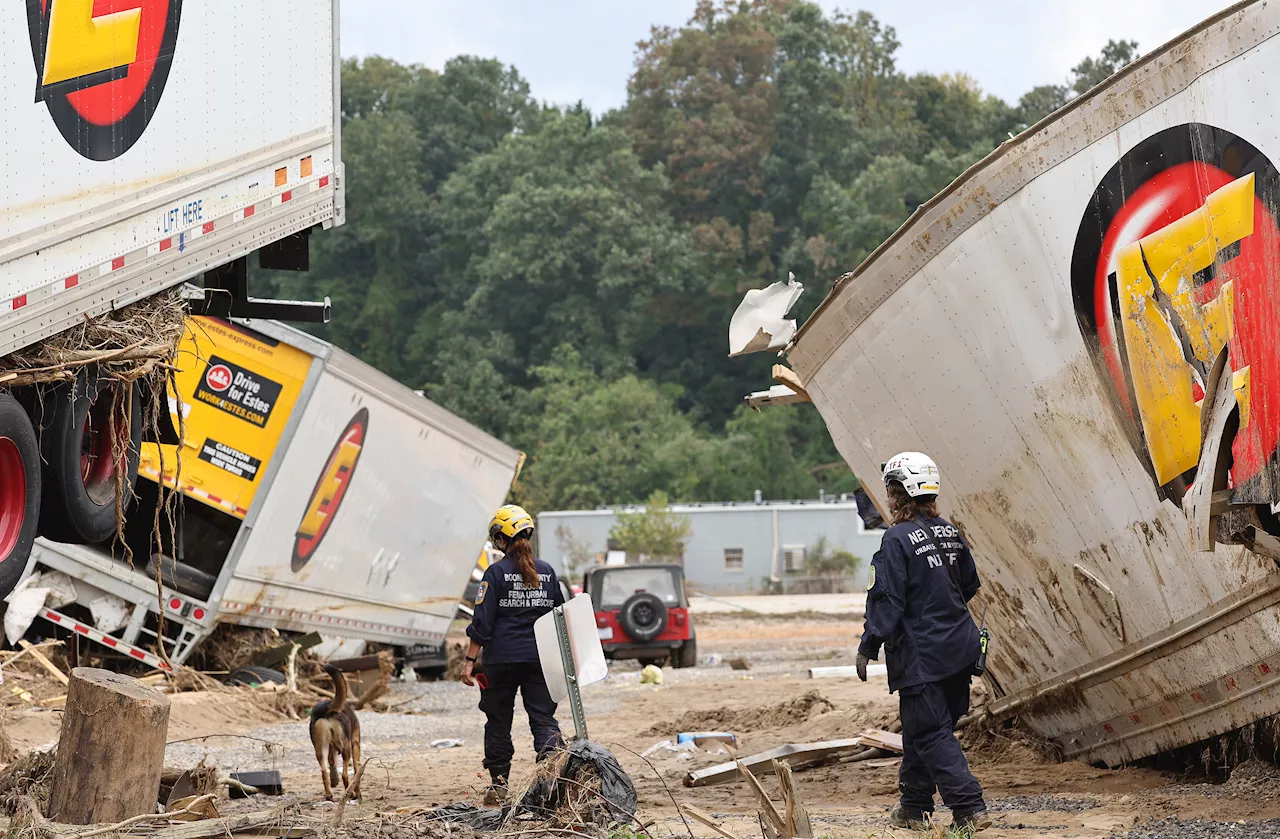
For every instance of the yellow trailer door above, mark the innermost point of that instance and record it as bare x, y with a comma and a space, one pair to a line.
238, 388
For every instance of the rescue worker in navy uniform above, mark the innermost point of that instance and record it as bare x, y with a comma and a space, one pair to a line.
514, 592
920, 582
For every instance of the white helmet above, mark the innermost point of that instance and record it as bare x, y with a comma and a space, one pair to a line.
917, 473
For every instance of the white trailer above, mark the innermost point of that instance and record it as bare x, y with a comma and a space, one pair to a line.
348, 505
142, 148
1083, 331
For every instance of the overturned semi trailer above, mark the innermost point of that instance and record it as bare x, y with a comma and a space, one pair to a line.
1084, 331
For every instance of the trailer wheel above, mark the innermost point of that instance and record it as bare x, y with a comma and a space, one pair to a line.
19, 491
85, 444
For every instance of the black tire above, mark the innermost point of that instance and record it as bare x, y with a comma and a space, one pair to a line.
78, 427
644, 616
20, 482
254, 676
181, 577
687, 655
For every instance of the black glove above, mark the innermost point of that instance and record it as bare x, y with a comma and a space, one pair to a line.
861, 664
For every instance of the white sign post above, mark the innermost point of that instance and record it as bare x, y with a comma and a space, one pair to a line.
571, 656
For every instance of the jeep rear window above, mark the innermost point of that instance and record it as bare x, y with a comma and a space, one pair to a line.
617, 586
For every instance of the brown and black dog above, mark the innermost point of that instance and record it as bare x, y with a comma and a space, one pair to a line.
335, 730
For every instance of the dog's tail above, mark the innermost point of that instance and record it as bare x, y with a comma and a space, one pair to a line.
339, 688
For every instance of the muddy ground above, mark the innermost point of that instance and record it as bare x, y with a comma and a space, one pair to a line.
766, 706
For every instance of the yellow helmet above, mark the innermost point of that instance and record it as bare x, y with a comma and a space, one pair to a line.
510, 520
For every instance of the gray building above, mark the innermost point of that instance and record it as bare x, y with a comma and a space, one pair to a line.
733, 547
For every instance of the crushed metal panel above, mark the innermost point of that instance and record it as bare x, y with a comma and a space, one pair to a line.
1055, 292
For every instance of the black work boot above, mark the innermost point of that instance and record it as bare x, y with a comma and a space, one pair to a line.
971, 823
909, 818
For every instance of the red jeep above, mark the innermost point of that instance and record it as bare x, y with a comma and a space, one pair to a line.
642, 613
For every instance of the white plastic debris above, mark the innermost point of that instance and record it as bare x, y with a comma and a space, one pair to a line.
760, 322
109, 612
25, 602
683, 751
447, 743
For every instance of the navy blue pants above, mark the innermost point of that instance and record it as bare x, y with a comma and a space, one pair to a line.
498, 701
931, 755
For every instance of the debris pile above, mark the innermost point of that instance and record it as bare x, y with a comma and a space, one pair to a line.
582, 789
135, 342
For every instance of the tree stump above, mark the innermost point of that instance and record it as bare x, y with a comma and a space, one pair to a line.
110, 749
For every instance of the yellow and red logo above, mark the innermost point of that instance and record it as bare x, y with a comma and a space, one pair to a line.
1174, 264
101, 66
331, 487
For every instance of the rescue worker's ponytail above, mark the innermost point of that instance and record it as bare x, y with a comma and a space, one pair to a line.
905, 508
521, 551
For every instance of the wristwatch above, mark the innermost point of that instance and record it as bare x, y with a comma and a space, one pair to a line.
470, 659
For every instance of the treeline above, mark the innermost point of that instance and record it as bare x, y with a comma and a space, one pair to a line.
565, 280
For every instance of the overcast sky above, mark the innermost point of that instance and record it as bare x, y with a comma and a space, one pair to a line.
572, 50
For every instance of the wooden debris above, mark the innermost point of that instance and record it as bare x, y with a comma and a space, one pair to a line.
769, 813
799, 754
886, 740
210, 828
795, 816
707, 819
193, 808
44, 662
95, 780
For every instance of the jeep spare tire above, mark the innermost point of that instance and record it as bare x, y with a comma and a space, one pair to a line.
644, 616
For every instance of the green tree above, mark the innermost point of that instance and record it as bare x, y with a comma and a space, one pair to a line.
593, 442
1093, 71
655, 532
824, 561
1039, 102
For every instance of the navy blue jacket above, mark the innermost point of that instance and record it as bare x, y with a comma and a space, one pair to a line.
505, 611
921, 579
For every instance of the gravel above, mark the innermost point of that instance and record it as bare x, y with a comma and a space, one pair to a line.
1175, 828
1041, 804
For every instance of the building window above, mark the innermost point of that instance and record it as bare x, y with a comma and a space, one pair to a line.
793, 558
733, 559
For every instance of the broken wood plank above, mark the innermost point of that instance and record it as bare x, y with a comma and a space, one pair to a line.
707, 819
796, 816
846, 671
770, 812
799, 754
44, 662
210, 828
886, 740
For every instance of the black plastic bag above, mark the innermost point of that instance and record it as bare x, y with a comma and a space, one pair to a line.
616, 789
478, 818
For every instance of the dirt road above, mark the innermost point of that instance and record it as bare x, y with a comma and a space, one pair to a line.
769, 705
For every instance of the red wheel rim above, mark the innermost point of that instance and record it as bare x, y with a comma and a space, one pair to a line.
13, 496
97, 464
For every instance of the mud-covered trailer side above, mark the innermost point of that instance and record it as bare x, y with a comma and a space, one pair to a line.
1048, 329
